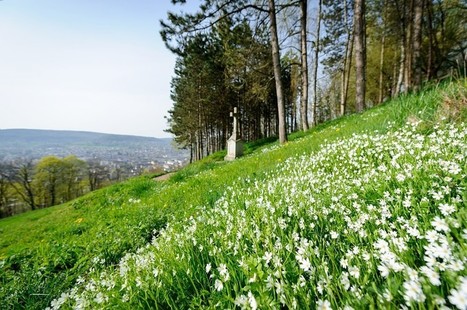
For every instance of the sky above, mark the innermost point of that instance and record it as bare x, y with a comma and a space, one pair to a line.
88, 65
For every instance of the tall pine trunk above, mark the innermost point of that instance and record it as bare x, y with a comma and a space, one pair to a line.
347, 63
431, 39
381, 69
381, 59
409, 47
417, 42
359, 26
315, 67
304, 65
277, 72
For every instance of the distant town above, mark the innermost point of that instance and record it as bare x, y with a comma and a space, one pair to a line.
132, 155
43, 168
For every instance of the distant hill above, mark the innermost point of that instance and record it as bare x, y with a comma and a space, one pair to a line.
45, 137
33, 143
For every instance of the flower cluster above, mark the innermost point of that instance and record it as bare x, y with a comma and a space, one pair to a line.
376, 220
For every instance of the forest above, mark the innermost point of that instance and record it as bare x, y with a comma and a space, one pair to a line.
289, 65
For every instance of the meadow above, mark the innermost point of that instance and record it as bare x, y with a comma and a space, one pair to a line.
367, 211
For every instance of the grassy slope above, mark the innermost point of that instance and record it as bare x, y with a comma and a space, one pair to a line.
44, 252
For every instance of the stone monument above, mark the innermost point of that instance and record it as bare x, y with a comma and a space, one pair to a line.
234, 143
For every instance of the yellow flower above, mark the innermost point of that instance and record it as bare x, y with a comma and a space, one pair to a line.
79, 220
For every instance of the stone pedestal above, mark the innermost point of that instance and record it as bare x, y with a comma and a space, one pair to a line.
234, 148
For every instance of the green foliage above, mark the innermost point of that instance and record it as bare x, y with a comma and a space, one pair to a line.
45, 252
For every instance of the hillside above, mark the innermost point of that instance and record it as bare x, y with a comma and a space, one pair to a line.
367, 211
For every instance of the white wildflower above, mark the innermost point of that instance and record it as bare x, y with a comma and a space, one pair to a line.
323, 305
413, 292
334, 235
354, 272
241, 301
439, 224
223, 272
459, 297
446, 209
252, 301
218, 285
432, 275
345, 280
384, 270
267, 257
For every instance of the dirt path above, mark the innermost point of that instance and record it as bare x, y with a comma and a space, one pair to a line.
164, 177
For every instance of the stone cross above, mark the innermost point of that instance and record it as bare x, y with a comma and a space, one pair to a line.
234, 144
234, 114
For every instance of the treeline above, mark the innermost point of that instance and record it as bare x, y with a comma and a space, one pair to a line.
27, 185
266, 57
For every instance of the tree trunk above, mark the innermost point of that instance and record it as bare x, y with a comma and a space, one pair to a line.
304, 64
431, 36
381, 69
277, 72
381, 59
408, 48
347, 64
400, 80
315, 67
359, 26
417, 42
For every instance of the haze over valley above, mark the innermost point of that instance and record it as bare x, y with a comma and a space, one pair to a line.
134, 153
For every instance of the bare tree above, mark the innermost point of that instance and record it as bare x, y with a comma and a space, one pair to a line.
22, 180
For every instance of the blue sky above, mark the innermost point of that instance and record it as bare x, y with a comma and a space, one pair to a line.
93, 65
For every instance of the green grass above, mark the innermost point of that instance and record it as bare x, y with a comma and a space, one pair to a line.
43, 253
